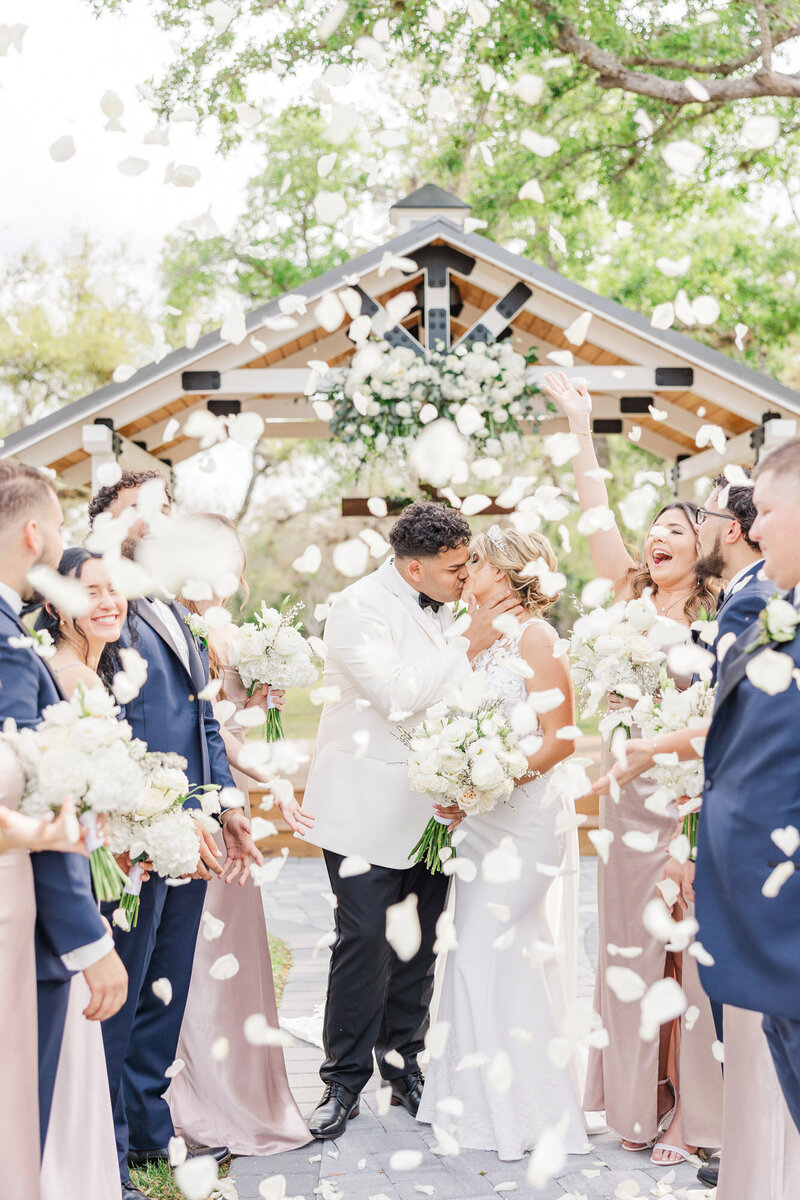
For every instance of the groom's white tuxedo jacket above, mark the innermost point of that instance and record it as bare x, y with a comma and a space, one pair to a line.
387, 656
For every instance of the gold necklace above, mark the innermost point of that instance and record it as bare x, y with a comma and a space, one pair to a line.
663, 612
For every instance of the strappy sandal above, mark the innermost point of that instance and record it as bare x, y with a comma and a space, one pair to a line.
665, 1119
681, 1151
636, 1147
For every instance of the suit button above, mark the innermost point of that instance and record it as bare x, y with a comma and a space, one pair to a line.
709, 782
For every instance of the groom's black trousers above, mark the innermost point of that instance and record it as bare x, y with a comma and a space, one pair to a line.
375, 1001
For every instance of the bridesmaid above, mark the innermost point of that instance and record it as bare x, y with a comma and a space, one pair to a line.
243, 1099
19, 1102
80, 1154
666, 1093
760, 1142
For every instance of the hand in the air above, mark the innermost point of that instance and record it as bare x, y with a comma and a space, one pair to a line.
294, 816
572, 398
638, 758
242, 850
683, 875
208, 864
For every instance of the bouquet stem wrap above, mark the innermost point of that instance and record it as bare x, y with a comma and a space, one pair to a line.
129, 904
437, 837
108, 880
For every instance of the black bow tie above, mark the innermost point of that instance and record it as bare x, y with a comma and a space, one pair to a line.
426, 602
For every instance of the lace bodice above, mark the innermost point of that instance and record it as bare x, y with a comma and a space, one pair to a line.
501, 679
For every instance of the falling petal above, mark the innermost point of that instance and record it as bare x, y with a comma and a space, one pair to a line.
761, 132
162, 988
225, 967
403, 931
62, 149
133, 166
197, 1177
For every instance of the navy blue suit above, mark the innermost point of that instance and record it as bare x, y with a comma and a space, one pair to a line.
752, 787
740, 607
67, 915
141, 1040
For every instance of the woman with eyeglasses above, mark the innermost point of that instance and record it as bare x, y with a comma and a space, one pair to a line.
664, 1095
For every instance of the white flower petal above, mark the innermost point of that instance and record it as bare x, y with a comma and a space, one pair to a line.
403, 932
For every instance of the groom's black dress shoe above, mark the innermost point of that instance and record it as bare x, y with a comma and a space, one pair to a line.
131, 1192
709, 1174
140, 1158
329, 1119
407, 1090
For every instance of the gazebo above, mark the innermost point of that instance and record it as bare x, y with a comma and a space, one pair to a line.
462, 287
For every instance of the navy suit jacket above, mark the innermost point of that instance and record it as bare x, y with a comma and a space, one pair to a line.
167, 713
740, 608
66, 911
752, 787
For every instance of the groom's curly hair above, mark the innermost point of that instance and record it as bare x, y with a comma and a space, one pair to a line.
425, 529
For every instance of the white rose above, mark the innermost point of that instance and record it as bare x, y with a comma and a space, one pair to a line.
642, 613
782, 619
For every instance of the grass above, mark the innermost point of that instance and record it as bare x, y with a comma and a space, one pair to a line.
155, 1180
281, 962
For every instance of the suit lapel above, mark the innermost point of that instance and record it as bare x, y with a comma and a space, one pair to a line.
23, 628
197, 672
148, 614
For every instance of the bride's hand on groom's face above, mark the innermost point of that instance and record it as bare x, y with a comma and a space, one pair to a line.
482, 633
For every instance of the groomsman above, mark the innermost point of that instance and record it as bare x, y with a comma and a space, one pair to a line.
751, 800
728, 552
142, 1040
71, 935
389, 658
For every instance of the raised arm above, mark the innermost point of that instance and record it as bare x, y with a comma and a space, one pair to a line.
609, 554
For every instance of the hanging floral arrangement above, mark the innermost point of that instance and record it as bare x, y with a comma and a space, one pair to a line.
388, 394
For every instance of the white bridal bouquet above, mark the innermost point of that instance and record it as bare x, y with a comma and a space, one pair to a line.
270, 649
465, 757
611, 652
668, 712
81, 750
159, 828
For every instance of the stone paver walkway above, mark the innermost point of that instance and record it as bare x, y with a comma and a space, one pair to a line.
359, 1165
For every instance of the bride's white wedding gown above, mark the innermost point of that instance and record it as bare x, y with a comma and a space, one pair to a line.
509, 999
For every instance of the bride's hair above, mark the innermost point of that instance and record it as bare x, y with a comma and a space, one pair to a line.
512, 552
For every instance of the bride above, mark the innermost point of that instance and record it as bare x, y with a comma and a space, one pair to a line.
505, 987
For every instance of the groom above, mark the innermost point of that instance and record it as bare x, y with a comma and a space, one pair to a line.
389, 659
751, 799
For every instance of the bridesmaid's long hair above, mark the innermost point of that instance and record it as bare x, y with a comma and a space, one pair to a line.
214, 663
703, 594
51, 620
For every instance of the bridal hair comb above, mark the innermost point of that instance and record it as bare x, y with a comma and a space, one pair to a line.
496, 536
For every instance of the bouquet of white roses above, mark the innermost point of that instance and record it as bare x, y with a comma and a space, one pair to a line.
80, 749
470, 758
270, 650
668, 712
160, 829
611, 652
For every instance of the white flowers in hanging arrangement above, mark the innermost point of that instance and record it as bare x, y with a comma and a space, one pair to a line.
388, 394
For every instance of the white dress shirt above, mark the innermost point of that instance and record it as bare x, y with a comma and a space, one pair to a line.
81, 957
730, 586
437, 616
172, 624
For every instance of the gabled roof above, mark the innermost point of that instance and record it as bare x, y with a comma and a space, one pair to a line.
430, 196
555, 301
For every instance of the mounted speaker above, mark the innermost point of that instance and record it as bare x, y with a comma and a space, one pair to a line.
201, 381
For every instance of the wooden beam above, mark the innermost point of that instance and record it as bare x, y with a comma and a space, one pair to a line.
710, 462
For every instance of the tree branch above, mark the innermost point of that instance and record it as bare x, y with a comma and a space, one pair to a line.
612, 73
766, 34
779, 36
